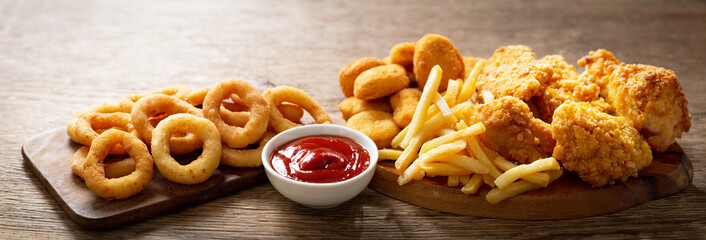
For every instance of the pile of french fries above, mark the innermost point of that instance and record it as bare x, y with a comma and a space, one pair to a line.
440, 142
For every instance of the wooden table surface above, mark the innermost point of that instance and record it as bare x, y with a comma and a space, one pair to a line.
59, 56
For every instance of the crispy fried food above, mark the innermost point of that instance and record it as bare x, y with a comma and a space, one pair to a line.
155, 105
404, 103
348, 74
380, 81
649, 97
277, 95
565, 84
245, 157
599, 147
85, 125
513, 71
178, 91
122, 167
198, 170
291, 111
468, 64
352, 105
235, 136
376, 125
434, 49
512, 131
122, 187
402, 54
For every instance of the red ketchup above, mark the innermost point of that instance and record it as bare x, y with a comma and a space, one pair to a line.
320, 159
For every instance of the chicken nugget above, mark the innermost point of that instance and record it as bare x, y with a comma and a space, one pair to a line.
348, 74
402, 54
352, 105
403, 104
380, 81
434, 49
376, 125
599, 147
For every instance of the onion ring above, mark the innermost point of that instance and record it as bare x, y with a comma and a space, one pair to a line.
275, 96
233, 136
198, 170
178, 91
151, 105
291, 111
122, 187
245, 157
115, 169
85, 125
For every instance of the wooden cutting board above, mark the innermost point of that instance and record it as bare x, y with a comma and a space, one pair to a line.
567, 197
49, 156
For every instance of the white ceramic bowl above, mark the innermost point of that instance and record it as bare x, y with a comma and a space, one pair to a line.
319, 195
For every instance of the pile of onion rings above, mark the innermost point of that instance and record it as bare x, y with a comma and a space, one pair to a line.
230, 121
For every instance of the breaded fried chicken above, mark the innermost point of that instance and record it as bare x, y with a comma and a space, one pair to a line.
649, 97
512, 131
513, 71
565, 84
599, 147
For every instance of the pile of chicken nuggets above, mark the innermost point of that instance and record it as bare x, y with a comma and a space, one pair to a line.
602, 124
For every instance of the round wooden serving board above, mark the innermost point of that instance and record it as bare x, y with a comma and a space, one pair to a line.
567, 197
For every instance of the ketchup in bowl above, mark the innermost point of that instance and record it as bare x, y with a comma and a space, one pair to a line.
320, 159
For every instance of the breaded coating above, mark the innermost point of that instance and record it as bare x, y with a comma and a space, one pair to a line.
376, 125
434, 49
348, 74
380, 81
511, 130
402, 54
565, 84
352, 105
599, 147
513, 71
404, 103
468, 64
649, 97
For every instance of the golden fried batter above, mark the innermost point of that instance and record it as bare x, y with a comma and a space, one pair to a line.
468, 64
352, 105
348, 74
380, 81
434, 49
513, 71
649, 97
512, 131
404, 103
376, 125
564, 84
600, 148
402, 54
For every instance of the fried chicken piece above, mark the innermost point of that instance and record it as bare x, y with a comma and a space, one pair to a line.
565, 84
512, 131
649, 97
599, 147
513, 71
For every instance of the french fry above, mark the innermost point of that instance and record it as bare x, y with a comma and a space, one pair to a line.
463, 180
452, 91
487, 96
466, 162
430, 90
489, 180
515, 173
389, 154
473, 184
539, 178
409, 154
413, 172
400, 136
443, 107
469, 86
474, 147
452, 181
442, 169
497, 195
441, 150
477, 128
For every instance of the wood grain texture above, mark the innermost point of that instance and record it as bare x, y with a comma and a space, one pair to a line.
59, 56
567, 197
